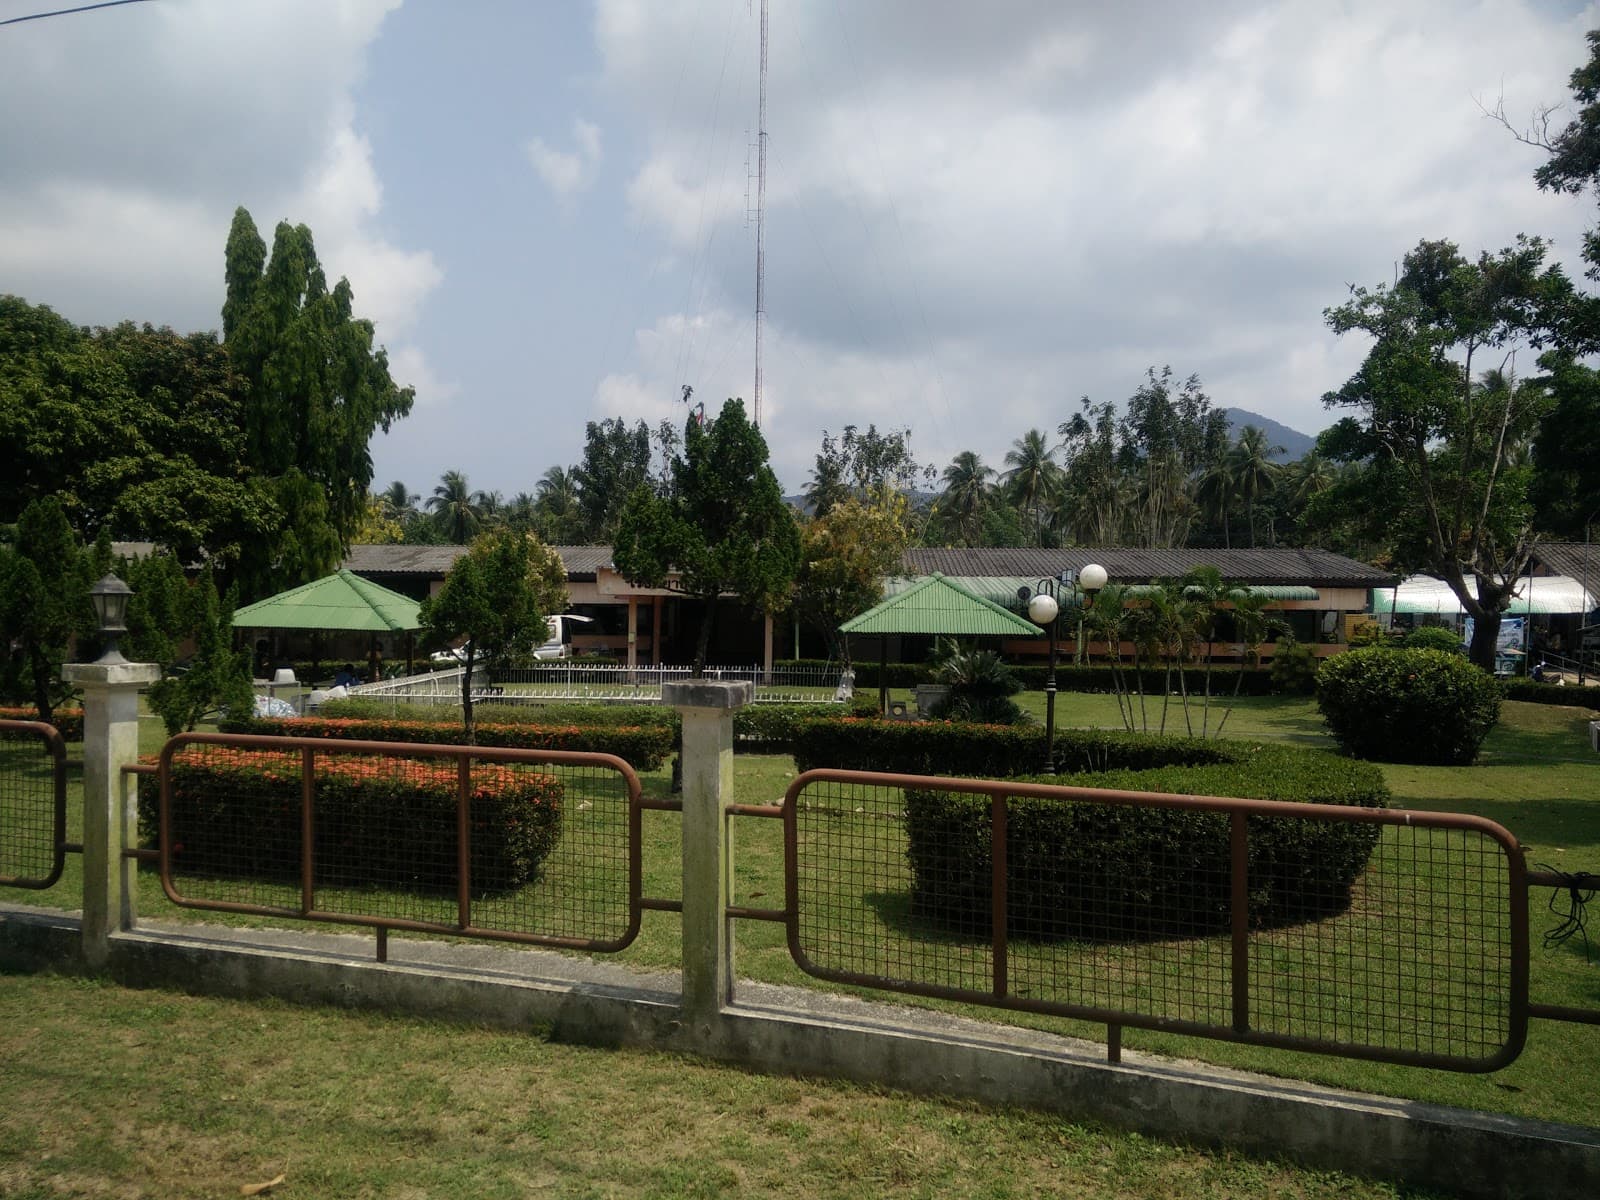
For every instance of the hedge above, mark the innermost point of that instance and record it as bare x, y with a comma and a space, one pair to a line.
1103, 872
236, 814
68, 721
1532, 692
1070, 677
988, 751
643, 747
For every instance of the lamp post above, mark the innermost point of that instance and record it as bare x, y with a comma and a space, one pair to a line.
110, 600
1043, 605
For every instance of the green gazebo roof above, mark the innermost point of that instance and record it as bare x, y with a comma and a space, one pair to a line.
342, 601
938, 605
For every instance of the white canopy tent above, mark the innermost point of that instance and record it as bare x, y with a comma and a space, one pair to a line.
1538, 595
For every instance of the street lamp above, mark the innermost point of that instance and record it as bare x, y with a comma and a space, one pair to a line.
1043, 603
110, 600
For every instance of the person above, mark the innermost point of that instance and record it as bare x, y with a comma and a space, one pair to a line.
346, 676
374, 666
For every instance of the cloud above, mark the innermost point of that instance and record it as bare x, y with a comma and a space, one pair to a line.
977, 214
145, 126
566, 173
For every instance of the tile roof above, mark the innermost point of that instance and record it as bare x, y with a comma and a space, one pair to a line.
581, 561
1310, 568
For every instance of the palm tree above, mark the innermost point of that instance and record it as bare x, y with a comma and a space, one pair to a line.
1254, 472
1217, 492
966, 492
559, 513
399, 503
456, 508
1034, 477
521, 511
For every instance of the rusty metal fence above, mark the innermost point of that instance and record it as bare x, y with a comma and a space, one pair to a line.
538, 847
33, 804
1370, 933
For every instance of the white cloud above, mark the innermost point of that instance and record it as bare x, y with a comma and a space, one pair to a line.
408, 367
566, 173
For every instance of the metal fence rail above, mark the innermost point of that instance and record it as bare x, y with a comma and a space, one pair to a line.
33, 804
1379, 934
642, 684
540, 847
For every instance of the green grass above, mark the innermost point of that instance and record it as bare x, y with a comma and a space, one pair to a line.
1537, 777
150, 1093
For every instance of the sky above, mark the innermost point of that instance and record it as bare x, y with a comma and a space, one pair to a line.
976, 213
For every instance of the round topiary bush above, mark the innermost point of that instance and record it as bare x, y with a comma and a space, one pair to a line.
1434, 637
1410, 706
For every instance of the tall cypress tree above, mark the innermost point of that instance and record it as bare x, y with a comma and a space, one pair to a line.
317, 390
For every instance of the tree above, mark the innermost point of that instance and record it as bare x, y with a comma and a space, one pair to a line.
967, 481
856, 463
218, 675
616, 460
44, 604
458, 511
497, 596
1169, 436
1034, 478
1092, 491
1254, 473
722, 526
845, 555
1438, 436
1566, 451
316, 391
558, 518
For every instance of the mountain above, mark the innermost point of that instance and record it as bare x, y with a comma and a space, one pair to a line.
1294, 443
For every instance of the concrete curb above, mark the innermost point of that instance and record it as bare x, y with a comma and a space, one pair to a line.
799, 1031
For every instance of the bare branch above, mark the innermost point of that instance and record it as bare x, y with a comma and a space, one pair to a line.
1537, 132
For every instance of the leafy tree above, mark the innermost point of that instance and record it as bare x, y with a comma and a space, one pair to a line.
377, 527
316, 391
723, 525
1092, 505
1169, 435
44, 604
497, 596
218, 675
616, 460
1566, 451
558, 517
845, 555
1438, 437
856, 464
132, 429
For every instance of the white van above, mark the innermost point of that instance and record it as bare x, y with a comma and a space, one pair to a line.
559, 644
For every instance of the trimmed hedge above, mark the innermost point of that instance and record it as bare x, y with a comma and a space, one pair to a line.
68, 721
236, 814
642, 747
1410, 706
986, 751
1103, 872
771, 728
1531, 692
1070, 677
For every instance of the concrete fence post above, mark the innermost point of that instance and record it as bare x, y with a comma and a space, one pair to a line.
110, 823
707, 709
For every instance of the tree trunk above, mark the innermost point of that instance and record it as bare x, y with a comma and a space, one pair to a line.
466, 696
703, 643
1485, 639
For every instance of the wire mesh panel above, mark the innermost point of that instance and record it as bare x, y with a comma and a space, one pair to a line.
1416, 955
513, 844
1366, 932
33, 804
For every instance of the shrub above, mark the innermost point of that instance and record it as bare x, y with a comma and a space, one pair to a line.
981, 687
1294, 668
236, 814
1533, 692
1414, 706
1112, 872
642, 747
68, 721
1434, 637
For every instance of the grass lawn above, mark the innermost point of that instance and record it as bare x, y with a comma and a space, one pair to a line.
150, 1093
1537, 777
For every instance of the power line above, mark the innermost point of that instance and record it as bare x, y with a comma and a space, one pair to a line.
63, 12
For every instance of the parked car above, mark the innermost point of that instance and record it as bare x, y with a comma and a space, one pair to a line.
558, 643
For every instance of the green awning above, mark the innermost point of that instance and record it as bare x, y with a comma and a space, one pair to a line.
343, 601
936, 605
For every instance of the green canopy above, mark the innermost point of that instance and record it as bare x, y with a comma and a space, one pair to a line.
343, 601
936, 604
